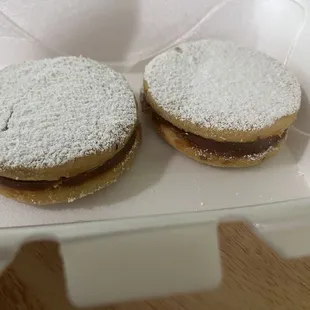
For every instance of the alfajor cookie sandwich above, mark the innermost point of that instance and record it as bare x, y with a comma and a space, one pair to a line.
220, 103
68, 128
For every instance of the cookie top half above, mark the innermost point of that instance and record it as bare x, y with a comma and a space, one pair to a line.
62, 116
219, 90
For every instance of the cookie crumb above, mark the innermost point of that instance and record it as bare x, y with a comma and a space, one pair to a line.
178, 49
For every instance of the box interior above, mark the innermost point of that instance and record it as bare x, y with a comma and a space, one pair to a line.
162, 181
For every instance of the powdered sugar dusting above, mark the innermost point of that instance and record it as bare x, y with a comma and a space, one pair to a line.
56, 110
217, 84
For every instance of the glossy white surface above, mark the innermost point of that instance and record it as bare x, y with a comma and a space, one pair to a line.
140, 265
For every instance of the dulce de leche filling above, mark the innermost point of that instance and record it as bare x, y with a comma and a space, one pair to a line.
225, 149
75, 180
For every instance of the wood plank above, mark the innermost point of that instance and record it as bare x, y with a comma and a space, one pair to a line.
254, 278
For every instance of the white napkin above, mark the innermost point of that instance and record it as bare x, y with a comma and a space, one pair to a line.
128, 31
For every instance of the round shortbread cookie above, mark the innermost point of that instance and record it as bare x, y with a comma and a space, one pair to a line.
219, 90
63, 116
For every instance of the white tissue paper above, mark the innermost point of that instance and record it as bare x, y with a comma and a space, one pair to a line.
106, 30
126, 32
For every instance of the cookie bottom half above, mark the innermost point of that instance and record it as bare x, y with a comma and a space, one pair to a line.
173, 136
64, 194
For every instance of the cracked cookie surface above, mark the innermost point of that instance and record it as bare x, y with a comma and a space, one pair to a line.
55, 112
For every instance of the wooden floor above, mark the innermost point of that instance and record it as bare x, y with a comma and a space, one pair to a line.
254, 278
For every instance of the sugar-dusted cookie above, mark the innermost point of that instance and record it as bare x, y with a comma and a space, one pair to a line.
220, 103
68, 127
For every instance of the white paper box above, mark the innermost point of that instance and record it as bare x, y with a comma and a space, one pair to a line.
153, 233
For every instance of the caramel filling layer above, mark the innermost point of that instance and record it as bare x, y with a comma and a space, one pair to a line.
75, 180
226, 149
